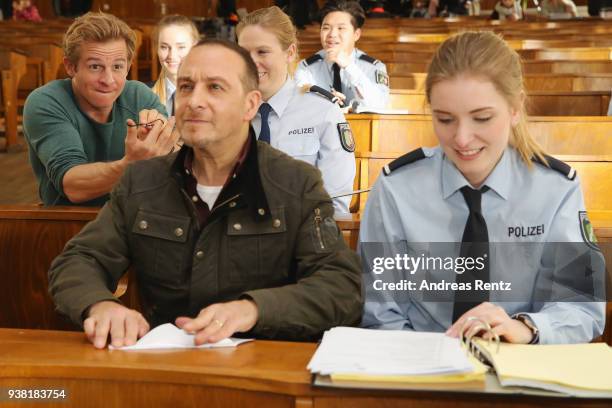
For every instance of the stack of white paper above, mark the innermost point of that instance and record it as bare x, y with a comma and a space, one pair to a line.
347, 350
168, 336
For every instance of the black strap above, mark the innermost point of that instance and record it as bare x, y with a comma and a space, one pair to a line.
313, 58
557, 165
408, 158
474, 244
367, 58
324, 93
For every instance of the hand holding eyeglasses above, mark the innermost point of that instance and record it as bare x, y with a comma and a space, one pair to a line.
153, 136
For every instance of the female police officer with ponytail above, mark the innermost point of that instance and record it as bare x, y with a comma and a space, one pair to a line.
305, 125
489, 188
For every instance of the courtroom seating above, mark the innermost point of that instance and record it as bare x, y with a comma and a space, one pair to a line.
31, 238
533, 82
13, 67
594, 173
539, 103
577, 135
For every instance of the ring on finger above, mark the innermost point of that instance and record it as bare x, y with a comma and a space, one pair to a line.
219, 322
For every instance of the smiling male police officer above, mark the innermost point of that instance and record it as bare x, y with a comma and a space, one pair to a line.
352, 75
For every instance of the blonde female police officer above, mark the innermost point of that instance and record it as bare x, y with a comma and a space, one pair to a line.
174, 36
487, 182
306, 126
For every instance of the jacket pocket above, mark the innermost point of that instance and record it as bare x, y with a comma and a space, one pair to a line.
257, 251
159, 242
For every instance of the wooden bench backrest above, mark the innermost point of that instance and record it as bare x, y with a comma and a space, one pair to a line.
31, 238
558, 135
538, 103
594, 173
533, 82
13, 67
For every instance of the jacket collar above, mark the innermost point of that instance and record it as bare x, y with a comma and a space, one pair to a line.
243, 187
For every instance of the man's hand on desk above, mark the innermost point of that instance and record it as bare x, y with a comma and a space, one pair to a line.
124, 325
220, 320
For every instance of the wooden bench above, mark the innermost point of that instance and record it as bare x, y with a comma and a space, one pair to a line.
31, 238
577, 135
539, 103
13, 67
533, 82
593, 170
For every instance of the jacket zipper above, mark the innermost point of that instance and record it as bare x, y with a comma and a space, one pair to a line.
318, 220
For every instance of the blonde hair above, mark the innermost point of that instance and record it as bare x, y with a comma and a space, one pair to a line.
486, 54
97, 27
159, 87
278, 23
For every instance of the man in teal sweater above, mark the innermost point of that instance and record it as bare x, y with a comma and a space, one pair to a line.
83, 131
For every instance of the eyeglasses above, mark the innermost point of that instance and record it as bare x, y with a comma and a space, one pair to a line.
148, 125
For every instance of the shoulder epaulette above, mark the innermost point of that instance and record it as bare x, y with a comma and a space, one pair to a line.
369, 59
408, 158
312, 59
324, 93
557, 165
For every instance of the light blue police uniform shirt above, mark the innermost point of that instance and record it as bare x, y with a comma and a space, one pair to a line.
362, 81
421, 203
305, 126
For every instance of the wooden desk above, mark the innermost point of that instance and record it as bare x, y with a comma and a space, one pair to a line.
259, 374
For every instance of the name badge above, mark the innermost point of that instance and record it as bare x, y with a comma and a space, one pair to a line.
301, 131
525, 232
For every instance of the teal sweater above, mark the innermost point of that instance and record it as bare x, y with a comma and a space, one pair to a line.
60, 136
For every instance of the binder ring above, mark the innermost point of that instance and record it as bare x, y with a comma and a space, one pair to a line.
465, 338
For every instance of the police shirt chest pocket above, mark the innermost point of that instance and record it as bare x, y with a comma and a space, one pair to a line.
301, 143
159, 245
257, 249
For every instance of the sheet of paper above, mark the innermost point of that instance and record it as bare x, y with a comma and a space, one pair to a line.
168, 336
348, 350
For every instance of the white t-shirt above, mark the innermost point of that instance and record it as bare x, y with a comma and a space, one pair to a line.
209, 194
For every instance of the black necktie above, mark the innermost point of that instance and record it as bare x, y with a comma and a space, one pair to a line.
264, 111
474, 244
337, 81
